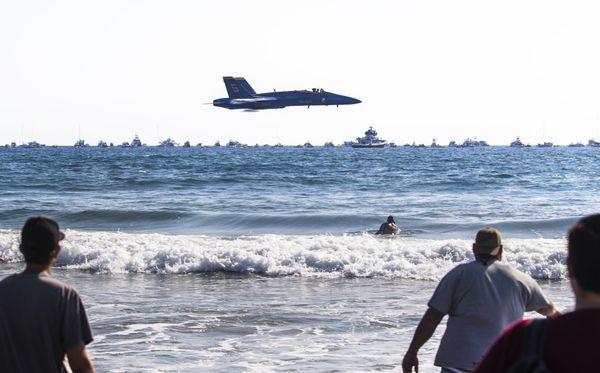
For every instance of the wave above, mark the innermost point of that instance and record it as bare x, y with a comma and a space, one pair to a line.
279, 255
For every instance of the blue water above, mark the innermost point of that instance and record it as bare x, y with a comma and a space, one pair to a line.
431, 192
260, 259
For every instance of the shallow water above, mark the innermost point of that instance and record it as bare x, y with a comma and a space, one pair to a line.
231, 322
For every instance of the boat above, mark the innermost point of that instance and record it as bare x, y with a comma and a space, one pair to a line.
576, 145
469, 143
545, 144
452, 144
278, 145
307, 145
517, 143
594, 144
102, 144
32, 144
199, 145
329, 144
473, 143
125, 144
136, 143
186, 144
370, 140
217, 144
434, 144
235, 144
80, 144
168, 143
393, 145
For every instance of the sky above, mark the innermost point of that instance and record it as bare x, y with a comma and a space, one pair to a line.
108, 70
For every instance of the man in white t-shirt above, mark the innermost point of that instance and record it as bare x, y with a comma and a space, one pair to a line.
481, 298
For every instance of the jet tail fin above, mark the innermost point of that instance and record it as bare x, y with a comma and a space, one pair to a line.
238, 87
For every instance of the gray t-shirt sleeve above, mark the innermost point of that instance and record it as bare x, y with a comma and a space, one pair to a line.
536, 299
75, 326
443, 296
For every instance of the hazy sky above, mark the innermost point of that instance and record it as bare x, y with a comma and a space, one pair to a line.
423, 69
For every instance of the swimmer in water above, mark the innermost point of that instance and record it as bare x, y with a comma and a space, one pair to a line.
389, 227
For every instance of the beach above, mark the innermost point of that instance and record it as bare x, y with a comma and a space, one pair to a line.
263, 259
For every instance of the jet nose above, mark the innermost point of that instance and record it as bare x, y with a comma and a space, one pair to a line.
355, 101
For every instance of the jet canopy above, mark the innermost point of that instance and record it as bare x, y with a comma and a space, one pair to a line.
318, 90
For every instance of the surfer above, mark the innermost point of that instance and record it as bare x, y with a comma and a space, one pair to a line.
389, 227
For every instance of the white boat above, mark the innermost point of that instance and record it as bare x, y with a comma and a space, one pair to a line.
517, 143
434, 144
370, 140
472, 143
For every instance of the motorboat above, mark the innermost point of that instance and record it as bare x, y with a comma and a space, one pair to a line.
517, 143
136, 142
235, 144
545, 144
434, 144
370, 140
329, 144
80, 144
32, 144
102, 144
168, 143
594, 144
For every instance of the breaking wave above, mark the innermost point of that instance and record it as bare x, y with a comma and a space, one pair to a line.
284, 255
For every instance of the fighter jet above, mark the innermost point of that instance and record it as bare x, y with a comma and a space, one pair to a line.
242, 96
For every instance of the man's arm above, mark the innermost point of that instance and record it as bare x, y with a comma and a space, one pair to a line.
431, 319
549, 311
79, 361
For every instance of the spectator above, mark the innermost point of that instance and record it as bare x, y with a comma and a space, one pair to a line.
41, 319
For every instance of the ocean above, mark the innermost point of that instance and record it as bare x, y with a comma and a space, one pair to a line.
263, 259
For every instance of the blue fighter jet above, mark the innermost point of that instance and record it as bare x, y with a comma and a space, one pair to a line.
242, 96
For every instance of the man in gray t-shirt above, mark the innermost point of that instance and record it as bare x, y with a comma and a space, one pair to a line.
41, 319
481, 298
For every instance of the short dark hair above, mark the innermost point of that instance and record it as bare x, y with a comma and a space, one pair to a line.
390, 219
39, 238
584, 253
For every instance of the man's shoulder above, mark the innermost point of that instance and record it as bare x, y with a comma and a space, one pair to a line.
40, 281
511, 272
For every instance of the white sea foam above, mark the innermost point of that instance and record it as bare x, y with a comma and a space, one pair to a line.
280, 255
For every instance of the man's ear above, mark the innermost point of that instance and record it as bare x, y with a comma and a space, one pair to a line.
56, 251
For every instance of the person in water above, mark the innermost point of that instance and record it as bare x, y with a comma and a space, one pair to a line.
389, 227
